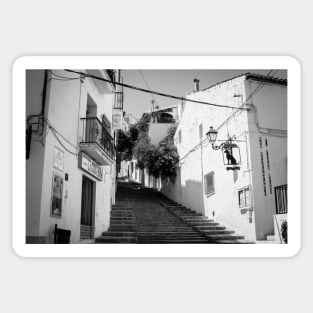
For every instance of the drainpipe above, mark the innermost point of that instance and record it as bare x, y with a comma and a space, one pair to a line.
249, 170
202, 178
43, 101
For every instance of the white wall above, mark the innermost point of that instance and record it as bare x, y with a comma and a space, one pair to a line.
271, 112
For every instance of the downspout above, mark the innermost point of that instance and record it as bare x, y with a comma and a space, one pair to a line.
202, 178
43, 101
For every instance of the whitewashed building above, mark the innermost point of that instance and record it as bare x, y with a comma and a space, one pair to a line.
248, 198
70, 162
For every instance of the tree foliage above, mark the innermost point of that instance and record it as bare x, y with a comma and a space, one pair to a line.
160, 160
284, 231
125, 145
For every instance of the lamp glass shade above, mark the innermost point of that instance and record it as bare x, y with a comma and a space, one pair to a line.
212, 135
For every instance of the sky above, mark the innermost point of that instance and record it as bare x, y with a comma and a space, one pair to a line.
175, 82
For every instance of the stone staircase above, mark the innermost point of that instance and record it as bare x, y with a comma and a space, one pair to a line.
156, 225
212, 231
145, 216
122, 227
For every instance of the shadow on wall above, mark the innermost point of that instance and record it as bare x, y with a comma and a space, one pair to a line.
192, 196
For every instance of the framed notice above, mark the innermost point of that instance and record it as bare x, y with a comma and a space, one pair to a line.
58, 159
57, 194
117, 118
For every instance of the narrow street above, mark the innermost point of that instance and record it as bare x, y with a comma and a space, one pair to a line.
144, 216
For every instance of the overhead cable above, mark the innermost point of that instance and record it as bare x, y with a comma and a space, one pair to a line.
154, 92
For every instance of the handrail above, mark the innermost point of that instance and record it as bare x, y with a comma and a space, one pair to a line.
92, 118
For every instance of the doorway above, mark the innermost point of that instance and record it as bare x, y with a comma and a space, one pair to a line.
87, 209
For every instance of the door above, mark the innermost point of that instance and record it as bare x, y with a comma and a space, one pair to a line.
87, 209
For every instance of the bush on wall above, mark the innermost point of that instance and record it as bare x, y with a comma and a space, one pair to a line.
284, 231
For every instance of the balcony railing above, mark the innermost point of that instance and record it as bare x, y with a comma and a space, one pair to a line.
94, 132
281, 199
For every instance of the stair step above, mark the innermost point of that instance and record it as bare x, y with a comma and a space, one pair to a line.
122, 229
225, 237
119, 233
171, 241
195, 218
116, 239
238, 241
200, 227
200, 223
217, 232
133, 222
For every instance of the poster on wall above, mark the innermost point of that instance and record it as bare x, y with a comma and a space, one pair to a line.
57, 192
58, 159
117, 118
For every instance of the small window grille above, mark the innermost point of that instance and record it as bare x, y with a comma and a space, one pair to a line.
244, 197
209, 184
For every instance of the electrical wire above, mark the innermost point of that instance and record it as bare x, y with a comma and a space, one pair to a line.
63, 77
58, 139
55, 133
257, 89
155, 92
143, 77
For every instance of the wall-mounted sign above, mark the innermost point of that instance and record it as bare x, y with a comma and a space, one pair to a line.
57, 192
117, 118
58, 159
90, 166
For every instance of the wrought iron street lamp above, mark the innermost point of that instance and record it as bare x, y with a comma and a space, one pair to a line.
212, 136
232, 159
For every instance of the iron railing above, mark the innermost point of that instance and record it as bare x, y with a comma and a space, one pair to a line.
94, 132
119, 99
281, 199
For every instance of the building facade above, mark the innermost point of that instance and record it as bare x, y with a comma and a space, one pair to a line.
245, 197
70, 162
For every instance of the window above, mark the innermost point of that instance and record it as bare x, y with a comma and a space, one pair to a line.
209, 184
244, 198
200, 132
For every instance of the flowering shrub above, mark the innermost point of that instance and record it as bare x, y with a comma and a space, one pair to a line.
284, 231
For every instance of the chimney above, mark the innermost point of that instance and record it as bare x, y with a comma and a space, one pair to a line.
196, 85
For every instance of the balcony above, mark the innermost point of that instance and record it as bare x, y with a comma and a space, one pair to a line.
96, 141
